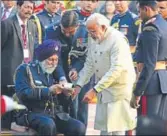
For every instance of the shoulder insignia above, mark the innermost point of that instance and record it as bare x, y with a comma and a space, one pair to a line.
138, 22
149, 28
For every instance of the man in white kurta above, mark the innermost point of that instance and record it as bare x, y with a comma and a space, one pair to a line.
109, 58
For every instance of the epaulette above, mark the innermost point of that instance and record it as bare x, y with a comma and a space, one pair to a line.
138, 22
149, 28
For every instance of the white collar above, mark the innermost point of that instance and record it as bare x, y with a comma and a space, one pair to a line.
20, 21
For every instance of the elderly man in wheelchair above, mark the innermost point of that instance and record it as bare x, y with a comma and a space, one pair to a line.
47, 103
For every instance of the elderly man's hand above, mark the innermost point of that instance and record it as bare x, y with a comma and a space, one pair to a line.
56, 89
73, 75
76, 91
134, 103
68, 91
89, 96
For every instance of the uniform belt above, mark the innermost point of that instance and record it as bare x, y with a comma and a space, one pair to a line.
160, 65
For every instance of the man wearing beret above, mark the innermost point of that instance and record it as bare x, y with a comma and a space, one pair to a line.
36, 89
151, 86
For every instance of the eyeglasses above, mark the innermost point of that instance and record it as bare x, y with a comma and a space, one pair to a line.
93, 32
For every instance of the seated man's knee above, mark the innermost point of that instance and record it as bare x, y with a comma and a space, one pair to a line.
48, 127
80, 128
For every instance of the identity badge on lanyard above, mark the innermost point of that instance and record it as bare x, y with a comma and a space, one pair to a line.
26, 53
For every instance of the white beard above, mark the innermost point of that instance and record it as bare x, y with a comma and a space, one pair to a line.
47, 68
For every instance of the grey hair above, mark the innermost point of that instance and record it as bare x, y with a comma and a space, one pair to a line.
99, 19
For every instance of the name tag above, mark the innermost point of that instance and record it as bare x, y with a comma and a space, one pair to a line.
26, 53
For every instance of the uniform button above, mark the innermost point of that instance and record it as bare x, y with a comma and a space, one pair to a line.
97, 70
95, 52
95, 61
101, 52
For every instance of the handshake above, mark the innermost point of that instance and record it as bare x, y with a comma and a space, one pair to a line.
65, 88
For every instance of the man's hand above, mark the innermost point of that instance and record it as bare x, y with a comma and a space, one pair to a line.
76, 91
89, 96
134, 103
140, 67
73, 75
56, 89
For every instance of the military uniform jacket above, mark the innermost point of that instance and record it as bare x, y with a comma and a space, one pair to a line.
79, 43
113, 67
46, 20
32, 88
54, 32
152, 43
123, 23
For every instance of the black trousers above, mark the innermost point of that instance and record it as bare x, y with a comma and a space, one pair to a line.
154, 105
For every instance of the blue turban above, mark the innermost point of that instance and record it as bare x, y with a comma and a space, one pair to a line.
47, 49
